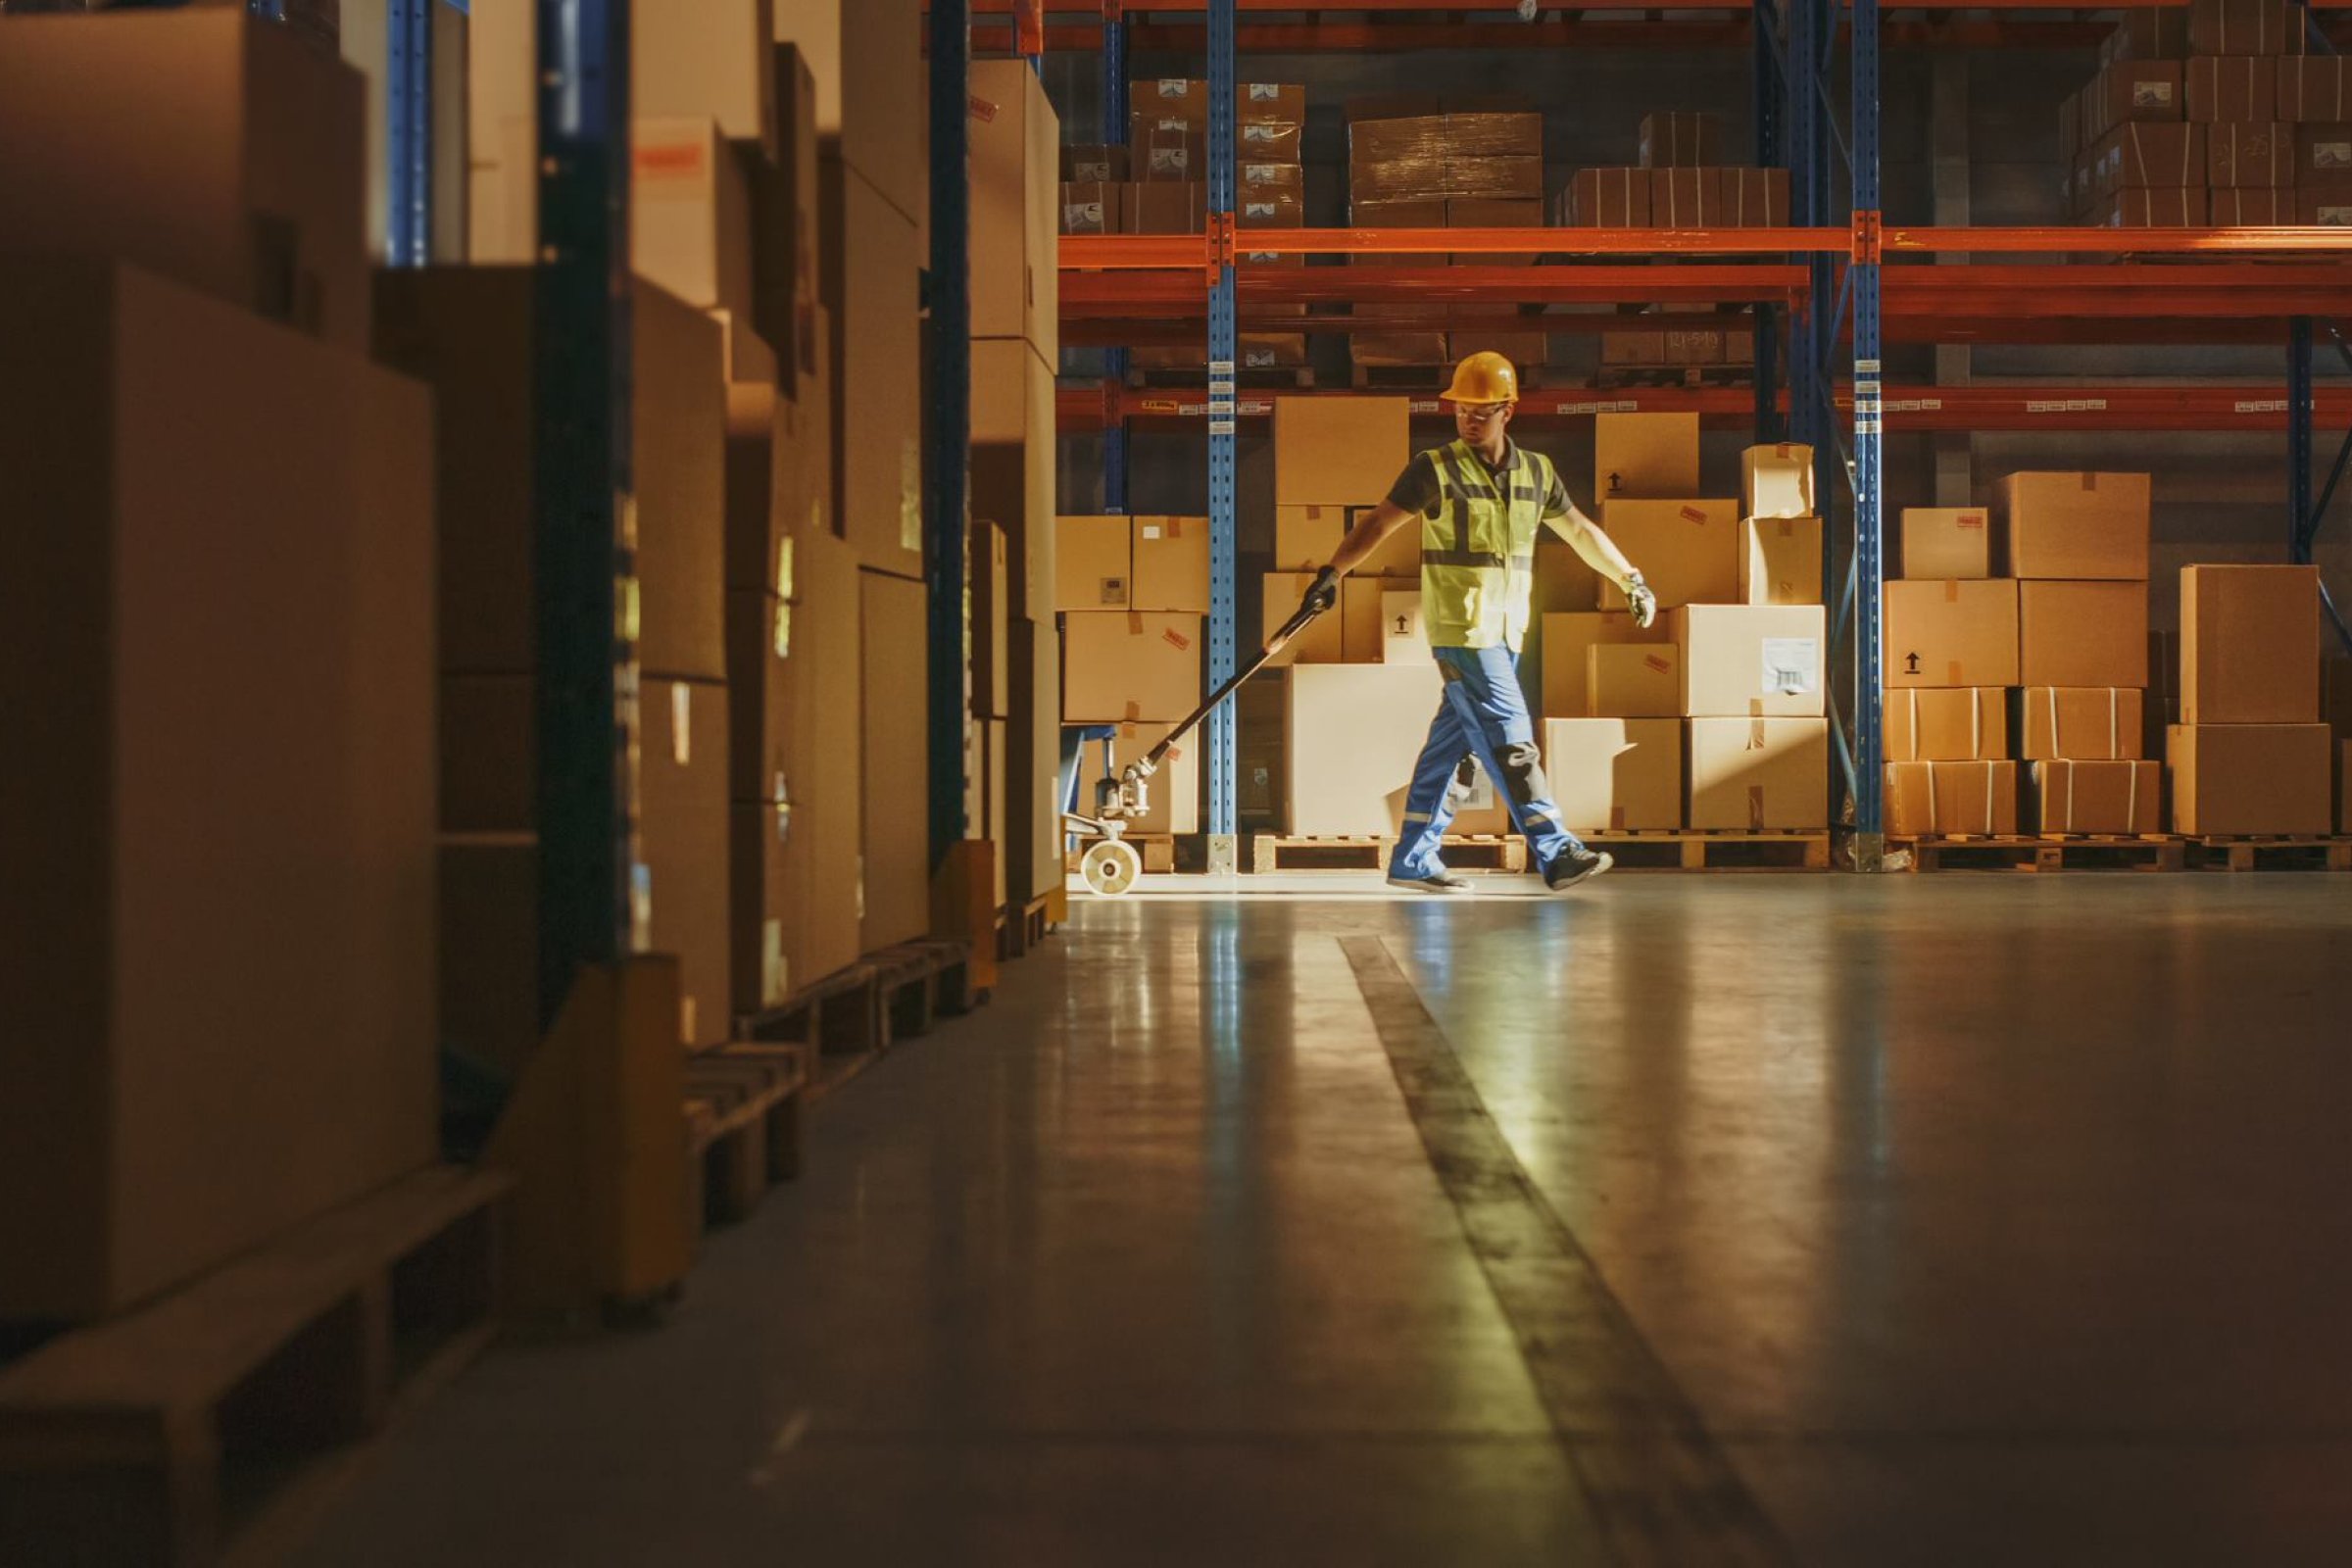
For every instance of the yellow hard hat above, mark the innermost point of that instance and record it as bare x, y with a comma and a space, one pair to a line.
1483, 377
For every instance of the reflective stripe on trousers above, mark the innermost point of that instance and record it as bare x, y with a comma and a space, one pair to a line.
1484, 715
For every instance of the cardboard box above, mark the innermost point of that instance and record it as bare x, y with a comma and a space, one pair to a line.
1945, 725
204, 146
1681, 139
2082, 634
2231, 90
2156, 208
690, 216
1283, 182
467, 332
896, 746
1615, 775
1093, 562
1329, 450
1780, 560
2250, 778
1307, 537
1634, 681
1644, 348
1952, 632
1093, 164
2259, 156
1751, 661
1686, 198
1013, 455
2325, 208
1403, 635
1130, 668
1642, 456
1175, 787
2149, 32
762, 673
2249, 645
2323, 154
869, 91
768, 485
220, 896
2144, 157
2075, 526
1362, 640
1977, 800
1947, 542
761, 906
1564, 638
2140, 90
873, 284
1091, 207
2245, 27
2097, 797
683, 834
827, 788
1172, 565
1755, 198
2316, 88
1608, 198
710, 58
1016, 207
2262, 209
1323, 642
990, 587
1033, 763
1352, 733
1758, 774
2080, 723
1776, 481
1687, 551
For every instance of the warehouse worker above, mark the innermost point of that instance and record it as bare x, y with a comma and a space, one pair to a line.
1478, 503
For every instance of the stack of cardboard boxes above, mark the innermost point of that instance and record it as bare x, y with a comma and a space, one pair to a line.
2047, 665
1714, 719
2251, 754
219, 834
1411, 166
2210, 113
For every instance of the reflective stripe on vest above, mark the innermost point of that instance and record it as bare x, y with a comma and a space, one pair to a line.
1477, 554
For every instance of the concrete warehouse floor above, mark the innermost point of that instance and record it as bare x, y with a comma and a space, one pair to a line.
1944, 1219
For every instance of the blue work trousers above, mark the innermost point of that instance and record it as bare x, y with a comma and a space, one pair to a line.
1482, 716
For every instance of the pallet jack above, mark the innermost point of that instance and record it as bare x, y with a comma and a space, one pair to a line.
1111, 866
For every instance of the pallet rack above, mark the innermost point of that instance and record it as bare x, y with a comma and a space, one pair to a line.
1828, 274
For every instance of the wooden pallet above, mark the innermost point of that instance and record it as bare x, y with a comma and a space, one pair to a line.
1698, 850
219, 1420
743, 1125
2048, 852
2270, 853
1674, 375
1273, 851
863, 1010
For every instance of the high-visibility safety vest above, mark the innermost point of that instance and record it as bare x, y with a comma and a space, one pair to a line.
1477, 554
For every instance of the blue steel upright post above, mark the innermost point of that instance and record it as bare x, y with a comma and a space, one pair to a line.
1114, 360
594, 900
1870, 823
1222, 761
946, 475
409, 129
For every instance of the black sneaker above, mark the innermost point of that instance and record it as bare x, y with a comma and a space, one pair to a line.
1439, 881
1578, 865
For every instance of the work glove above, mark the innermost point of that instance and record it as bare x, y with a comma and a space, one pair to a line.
1324, 591
1644, 603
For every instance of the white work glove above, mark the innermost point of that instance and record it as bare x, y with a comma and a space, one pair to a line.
1641, 600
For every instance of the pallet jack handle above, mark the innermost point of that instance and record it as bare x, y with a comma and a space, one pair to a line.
1320, 598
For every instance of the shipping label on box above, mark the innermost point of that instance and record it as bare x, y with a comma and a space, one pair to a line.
1944, 542
1750, 660
1631, 681
1687, 551
1758, 774
1089, 207
2073, 796
1976, 799
2249, 645
2082, 723
2323, 153
1951, 633
1639, 456
2082, 634
1776, 481
1780, 560
1615, 775
1946, 724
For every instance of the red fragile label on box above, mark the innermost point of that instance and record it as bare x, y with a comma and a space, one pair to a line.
1693, 515
1176, 639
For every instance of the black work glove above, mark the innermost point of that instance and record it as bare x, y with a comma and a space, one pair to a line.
1323, 592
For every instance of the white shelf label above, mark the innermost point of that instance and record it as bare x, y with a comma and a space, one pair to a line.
1220, 428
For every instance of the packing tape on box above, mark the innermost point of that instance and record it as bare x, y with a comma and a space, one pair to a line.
1134, 712
1755, 734
1755, 808
2115, 730
1134, 624
1934, 817
1989, 771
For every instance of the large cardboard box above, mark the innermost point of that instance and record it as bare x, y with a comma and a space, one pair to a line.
896, 746
683, 834
1951, 633
871, 103
1129, 668
827, 793
873, 261
762, 841
1633, 680
2245, 27
690, 216
1352, 734
1644, 456
1033, 804
1093, 562
1687, 551
1363, 638
785, 201
1565, 638
1615, 775
1337, 451
1974, 799
991, 597
2073, 796
1780, 560
2075, 526
1306, 537
1172, 565
710, 59
2249, 645
1947, 542
467, 331
205, 145
1607, 198
2258, 156
1752, 660
2080, 723
1945, 725
218, 906
1323, 642
1681, 138
1776, 481
2082, 634
1175, 788
2316, 88
1016, 194
2249, 778
1757, 775
761, 677
1012, 480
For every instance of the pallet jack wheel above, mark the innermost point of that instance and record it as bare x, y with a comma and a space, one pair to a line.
1110, 867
